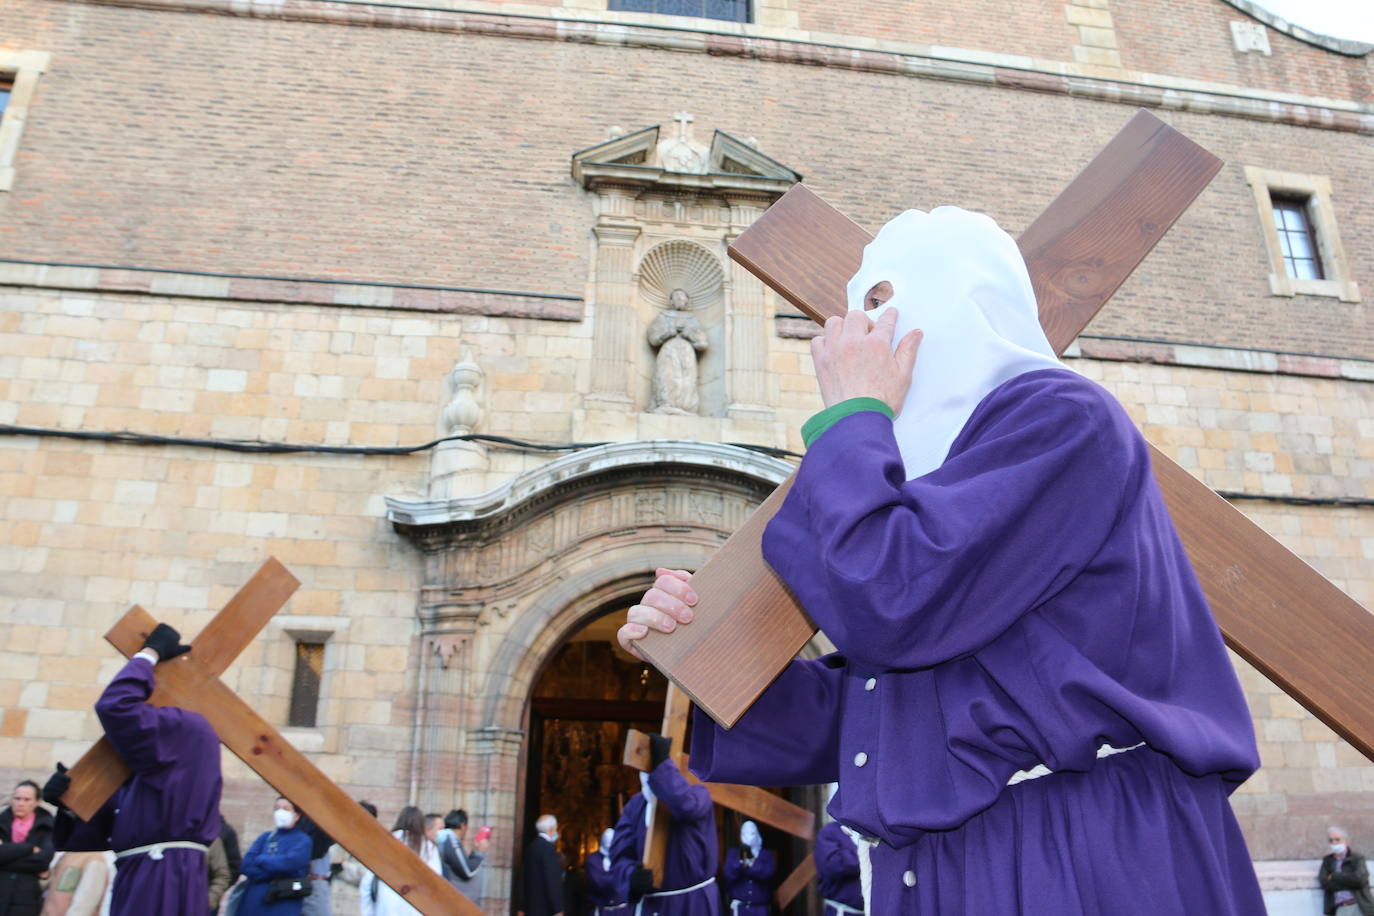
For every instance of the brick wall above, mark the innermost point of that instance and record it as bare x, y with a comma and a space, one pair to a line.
439, 158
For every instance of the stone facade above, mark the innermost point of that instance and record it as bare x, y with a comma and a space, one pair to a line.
363, 226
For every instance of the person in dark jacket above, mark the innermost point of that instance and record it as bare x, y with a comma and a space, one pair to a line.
544, 871
1344, 878
26, 850
230, 837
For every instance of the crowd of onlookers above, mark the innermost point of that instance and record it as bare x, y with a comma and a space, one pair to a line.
293, 869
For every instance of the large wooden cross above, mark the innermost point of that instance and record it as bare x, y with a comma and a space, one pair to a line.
751, 801
1274, 610
191, 681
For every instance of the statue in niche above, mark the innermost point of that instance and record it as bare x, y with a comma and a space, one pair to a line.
679, 336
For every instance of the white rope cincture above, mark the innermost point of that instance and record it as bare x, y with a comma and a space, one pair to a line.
865, 846
842, 909
154, 850
1039, 770
639, 907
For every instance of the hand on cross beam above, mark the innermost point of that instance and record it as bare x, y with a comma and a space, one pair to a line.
668, 603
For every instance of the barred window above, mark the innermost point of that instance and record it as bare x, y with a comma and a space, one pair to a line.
1297, 240
729, 10
305, 685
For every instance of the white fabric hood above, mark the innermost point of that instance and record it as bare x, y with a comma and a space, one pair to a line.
959, 278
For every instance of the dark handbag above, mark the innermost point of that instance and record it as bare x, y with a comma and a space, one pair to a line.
287, 889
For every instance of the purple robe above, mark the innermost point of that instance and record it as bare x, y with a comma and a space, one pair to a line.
837, 869
1025, 603
173, 794
604, 890
692, 850
749, 887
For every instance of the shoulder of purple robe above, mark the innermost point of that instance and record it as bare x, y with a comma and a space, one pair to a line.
763, 866
836, 855
888, 567
147, 738
685, 801
789, 737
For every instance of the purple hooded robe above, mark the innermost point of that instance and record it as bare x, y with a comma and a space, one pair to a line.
748, 887
173, 794
1023, 604
692, 849
837, 871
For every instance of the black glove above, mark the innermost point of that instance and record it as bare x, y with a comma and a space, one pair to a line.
56, 786
641, 882
659, 747
166, 642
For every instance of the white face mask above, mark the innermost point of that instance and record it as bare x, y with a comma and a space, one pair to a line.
1338, 849
283, 818
749, 836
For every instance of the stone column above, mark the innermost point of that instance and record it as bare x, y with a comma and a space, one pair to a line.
495, 755
447, 662
749, 324
616, 330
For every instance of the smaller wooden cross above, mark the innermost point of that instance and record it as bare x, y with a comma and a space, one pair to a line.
191, 681
751, 801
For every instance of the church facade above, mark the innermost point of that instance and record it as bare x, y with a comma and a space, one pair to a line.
358, 227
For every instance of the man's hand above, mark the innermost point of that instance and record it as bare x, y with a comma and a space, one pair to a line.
663, 607
56, 786
854, 359
166, 642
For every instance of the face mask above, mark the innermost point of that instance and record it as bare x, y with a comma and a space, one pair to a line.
282, 818
1338, 849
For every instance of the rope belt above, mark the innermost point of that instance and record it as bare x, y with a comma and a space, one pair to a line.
865, 844
1036, 772
639, 907
154, 850
843, 909
612, 908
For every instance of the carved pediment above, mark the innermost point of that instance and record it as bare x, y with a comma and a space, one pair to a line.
642, 159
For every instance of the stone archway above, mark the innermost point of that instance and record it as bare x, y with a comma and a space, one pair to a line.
510, 574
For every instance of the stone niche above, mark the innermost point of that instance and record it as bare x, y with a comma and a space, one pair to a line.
665, 212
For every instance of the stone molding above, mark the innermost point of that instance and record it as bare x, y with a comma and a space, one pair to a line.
452, 300
783, 45
1169, 353
1346, 46
546, 482
26, 67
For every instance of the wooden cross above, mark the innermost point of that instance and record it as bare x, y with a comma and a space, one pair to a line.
191, 681
1274, 610
750, 801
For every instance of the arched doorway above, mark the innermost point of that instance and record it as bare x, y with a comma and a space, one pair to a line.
586, 698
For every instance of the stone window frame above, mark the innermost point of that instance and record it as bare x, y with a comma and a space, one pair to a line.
287, 630
1316, 189
25, 67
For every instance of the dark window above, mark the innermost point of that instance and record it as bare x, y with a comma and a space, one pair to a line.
305, 685
729, 10
1297, 241
6, 87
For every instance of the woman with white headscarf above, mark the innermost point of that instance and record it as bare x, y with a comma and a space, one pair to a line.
1031, 709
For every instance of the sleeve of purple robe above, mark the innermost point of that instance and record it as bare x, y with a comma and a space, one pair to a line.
146, 737
763, 866
836, 855
685, 801
731, 869
627, 848
72, 834
889, 569
792, 731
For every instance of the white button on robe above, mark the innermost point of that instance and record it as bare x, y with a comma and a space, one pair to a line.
860, 759
870, 683
909, 878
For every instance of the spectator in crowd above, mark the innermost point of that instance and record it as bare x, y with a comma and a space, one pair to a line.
217, 864
410, 829
461, 863
1344, 878
79, 883
276, 867
544, 870
318, 903
230, 838
26, 850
